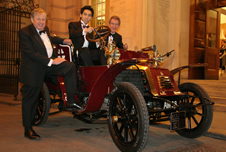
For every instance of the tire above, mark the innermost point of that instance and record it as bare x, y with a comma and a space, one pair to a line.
198, 119
130, 127
43, 107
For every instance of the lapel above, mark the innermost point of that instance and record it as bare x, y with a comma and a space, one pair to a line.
79, 25
115, 37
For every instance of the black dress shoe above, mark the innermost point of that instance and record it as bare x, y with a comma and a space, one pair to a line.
73, 106
31, 134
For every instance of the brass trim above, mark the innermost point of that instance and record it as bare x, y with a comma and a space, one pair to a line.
148, 76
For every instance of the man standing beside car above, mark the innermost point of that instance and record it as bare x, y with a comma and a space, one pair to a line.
39, 60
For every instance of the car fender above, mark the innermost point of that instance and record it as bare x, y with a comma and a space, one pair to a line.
102, 84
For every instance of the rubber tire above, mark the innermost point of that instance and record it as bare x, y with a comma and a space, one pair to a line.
142, 131
44, 103
205, 121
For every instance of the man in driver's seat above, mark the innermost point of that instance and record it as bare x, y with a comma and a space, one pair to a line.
77, 33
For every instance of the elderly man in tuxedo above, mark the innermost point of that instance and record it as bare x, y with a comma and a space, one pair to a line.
114, 24
39, 60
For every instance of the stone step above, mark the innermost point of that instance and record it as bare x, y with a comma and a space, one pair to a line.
214, 88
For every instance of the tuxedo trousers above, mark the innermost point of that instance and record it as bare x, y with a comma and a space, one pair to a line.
31, 93
98, 55
87, 56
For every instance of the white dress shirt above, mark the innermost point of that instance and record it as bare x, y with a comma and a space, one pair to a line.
86, 42
110, 39
48, 45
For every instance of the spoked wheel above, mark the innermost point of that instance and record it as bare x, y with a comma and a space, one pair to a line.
128, 118
100, 32
43, 107
198, 116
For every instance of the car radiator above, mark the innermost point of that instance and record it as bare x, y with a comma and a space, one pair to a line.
135, 77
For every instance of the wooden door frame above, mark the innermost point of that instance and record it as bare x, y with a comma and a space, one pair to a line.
196, 38
212, 70
197, 44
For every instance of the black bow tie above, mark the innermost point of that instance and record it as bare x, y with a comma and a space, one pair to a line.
84, 26
112, 34
43, 31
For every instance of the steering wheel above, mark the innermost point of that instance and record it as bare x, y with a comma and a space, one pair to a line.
99, 32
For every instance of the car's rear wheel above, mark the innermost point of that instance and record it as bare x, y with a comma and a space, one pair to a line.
199, 112
43, 107
128, 119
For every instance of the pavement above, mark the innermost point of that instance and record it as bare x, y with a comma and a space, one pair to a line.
217, 129
63, 133
218, 126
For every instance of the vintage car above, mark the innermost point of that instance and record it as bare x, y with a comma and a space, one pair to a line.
131, 93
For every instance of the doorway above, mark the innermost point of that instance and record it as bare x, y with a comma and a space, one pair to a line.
204, 41
222, 65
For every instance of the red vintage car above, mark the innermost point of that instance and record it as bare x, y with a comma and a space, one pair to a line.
131, 92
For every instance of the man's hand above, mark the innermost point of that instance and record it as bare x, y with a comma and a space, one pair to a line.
89, 30
67, 41
125, 46
57, 61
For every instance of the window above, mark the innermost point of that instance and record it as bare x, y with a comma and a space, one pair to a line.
99, 13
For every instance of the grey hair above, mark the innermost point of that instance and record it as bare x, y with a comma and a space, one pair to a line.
115, 18
37, 11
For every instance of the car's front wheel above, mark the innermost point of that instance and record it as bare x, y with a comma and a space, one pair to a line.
128, 119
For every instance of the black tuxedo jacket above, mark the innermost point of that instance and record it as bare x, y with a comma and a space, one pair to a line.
75, 34
118, 40
34, 58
